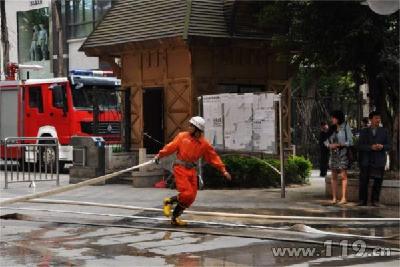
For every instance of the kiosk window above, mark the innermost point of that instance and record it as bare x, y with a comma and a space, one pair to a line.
35, 98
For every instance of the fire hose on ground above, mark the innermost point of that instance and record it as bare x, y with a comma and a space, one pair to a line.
301, 228
103, 178
70, 187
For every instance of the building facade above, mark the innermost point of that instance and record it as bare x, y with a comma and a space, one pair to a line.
80, 17
171, 52
37, 27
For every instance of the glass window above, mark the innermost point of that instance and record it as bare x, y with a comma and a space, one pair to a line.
88, 10
85, 97
81, 99
59, 96
70, 10
78, 11
35, 98
83, 15
82, 30
101, 7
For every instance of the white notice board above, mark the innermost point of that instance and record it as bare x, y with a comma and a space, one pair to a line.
244, 122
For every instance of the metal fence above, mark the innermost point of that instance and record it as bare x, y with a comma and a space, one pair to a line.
30, 159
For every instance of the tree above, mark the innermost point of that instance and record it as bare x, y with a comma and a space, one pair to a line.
344, 36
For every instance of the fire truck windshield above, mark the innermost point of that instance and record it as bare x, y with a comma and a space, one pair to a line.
88, 96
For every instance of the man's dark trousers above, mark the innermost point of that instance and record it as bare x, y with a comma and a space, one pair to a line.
324, 162
363, 188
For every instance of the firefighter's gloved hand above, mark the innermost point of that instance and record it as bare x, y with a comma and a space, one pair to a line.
157, 160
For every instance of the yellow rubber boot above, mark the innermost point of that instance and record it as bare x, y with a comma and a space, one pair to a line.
167, 207
178, 222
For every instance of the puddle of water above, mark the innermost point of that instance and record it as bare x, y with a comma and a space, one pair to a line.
261, 255
128, 261
68, 244
94, 246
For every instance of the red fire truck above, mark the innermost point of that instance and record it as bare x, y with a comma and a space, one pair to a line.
78, 105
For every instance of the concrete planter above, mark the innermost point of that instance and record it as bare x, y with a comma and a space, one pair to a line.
147, 176
390, 193
120, 160
143, 179
116, 161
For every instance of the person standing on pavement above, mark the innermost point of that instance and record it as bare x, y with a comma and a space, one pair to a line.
364, 123
373, 144
189, 146
339, 141
361, 154
324, 151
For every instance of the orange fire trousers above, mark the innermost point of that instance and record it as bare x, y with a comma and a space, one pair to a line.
186, 184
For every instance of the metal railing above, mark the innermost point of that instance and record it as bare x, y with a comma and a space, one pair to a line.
30, 159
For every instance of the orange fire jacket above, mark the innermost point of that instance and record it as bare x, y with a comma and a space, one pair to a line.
191, 149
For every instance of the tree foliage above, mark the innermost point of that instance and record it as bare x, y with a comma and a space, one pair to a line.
343, 37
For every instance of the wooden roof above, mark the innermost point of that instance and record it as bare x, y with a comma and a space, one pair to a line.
131, 21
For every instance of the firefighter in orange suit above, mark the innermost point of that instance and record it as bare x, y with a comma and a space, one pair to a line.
189, 146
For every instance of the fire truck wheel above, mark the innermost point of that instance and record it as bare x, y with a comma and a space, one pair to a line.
48, 158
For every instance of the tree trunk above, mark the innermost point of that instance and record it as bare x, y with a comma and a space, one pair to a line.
4, 35
56, 6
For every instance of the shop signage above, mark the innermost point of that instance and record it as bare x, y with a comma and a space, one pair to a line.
36, 2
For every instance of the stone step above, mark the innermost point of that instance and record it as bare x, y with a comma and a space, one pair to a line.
146, 178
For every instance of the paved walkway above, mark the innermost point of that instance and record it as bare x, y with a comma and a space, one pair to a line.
44, 235
308, 200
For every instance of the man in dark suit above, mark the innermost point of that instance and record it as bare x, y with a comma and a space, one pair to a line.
373, 144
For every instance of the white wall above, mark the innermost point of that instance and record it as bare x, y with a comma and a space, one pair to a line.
77, 59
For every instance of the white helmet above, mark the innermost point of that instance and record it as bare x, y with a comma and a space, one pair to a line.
198, 122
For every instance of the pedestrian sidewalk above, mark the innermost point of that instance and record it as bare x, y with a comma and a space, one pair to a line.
307, 200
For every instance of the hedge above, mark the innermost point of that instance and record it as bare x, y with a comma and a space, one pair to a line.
297, 170
251, 172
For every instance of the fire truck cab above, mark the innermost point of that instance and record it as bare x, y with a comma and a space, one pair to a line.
78, 105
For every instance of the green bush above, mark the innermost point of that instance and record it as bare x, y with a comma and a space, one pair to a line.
250, 172
297, 170
291, 173
117, 149
247, 172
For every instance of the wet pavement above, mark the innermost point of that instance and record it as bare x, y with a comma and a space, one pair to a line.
37, 234
32, 243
